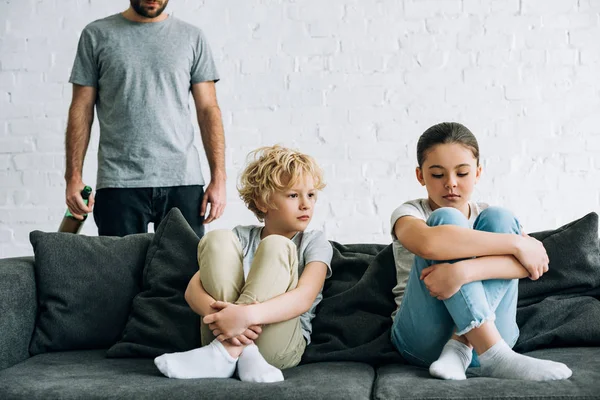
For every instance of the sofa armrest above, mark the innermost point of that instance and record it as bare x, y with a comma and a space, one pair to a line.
18, 308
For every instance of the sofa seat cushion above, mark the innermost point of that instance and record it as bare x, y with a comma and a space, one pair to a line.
90, 375
408, 382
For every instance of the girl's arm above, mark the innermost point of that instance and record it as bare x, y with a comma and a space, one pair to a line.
450, 242
493, 267
444, 280
234, 318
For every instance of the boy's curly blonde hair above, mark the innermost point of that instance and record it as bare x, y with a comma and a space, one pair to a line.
273, 169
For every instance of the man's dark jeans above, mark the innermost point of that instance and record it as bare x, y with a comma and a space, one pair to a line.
123, 211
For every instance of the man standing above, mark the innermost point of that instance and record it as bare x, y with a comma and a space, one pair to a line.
138, 68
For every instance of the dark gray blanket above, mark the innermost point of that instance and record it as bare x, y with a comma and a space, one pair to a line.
561, 309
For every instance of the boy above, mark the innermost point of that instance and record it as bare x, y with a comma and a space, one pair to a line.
270, 276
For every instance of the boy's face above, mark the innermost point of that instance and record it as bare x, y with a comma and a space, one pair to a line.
449, 173
294, 208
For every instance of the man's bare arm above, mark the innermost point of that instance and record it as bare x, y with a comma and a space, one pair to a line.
79, 125
213, 139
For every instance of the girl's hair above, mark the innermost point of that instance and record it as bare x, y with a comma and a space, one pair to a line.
446, 132
274, 169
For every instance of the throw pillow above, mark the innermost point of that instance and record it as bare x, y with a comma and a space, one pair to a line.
353, 321
85, 286
161, 320
574, 261
556, 310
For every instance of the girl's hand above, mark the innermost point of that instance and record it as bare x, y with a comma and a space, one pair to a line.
232, 320
443, 280
532, 256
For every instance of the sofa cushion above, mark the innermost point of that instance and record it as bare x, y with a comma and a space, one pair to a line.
353, 320
84, 288
18, 309
545, 308
161, 320
408, 382
89, 375
574, 262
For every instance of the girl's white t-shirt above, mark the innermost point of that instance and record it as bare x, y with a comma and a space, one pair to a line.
403, 258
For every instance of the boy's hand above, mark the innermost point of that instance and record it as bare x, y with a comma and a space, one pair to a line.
248, 337
443, 280
232, 320
532, 256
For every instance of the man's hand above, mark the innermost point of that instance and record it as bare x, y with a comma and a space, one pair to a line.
443, 280
232, 320
532, 256
75, 202
216, 195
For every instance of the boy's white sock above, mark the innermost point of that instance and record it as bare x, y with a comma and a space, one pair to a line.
252, 367
210, 361
453, 362
500, 361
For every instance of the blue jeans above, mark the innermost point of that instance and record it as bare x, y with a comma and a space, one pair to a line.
424, 324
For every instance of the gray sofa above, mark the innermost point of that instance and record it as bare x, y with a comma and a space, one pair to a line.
100, 342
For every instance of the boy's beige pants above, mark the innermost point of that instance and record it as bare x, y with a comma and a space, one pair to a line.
274, 271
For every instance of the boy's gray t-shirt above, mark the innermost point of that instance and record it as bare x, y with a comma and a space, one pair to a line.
402, 257
143, 74
311, 245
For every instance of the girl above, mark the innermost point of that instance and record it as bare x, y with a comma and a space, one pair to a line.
448, 309
269, 275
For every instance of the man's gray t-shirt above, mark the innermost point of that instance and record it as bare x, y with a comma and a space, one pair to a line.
311, 245
143, 74
402, 257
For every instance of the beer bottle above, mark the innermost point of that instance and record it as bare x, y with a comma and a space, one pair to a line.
71, 224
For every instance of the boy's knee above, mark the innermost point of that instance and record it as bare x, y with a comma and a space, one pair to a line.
497, 220
215, 240
447, 216
277, 243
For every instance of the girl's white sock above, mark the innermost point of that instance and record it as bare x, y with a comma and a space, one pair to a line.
453, 361
500, 361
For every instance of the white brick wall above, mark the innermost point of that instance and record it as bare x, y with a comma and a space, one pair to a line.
353, 83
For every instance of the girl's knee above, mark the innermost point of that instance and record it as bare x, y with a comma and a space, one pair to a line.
447, 216
497, 220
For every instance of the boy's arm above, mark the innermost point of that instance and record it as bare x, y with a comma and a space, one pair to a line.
233, 318
200, 302
197, 298
295, 302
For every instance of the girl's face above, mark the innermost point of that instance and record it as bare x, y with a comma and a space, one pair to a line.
449, 173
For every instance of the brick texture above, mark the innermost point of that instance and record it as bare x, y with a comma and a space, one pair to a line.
353, 83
